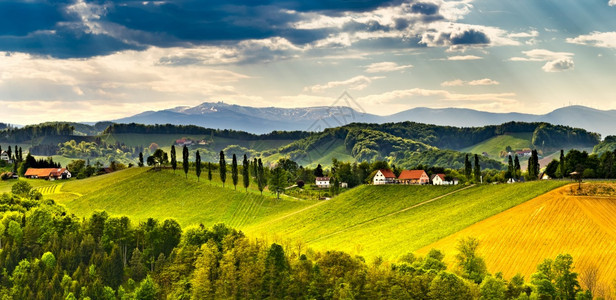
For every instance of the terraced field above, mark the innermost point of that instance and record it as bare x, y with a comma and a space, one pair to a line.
518, 239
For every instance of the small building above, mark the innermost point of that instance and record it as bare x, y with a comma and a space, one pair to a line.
544, 176
384, 177
48, 173
322, 182
184, 142
5, 156
414, 177
344, 185
438, 179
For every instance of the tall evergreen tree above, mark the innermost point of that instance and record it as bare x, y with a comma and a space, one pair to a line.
468, 168
198, 165
318, 172
561, 164
510, 169
209, 172
477, 170
9, 151
517, 167
223, 168
185, 163
261, 180
140, 159
174, 161
245, 175
234, 171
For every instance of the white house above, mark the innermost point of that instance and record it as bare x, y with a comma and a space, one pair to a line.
5, 156
384, 177
322, 182
438, 179
344, 185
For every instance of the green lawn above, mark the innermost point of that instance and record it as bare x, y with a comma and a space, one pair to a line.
354, 222
141, 193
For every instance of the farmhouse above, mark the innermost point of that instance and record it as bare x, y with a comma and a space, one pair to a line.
384, 177
438, 179
5, 156
322, 182
183, 142
413, 177
48, 173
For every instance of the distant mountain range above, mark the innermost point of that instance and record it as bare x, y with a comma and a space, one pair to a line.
266, 119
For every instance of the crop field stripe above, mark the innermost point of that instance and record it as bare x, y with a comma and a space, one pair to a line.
389, 214
246, 215
293, 213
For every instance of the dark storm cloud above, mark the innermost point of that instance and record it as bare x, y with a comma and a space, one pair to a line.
470, 37
51, 28
425, 8
18, 18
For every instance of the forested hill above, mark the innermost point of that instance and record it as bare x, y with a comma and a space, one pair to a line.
448, 137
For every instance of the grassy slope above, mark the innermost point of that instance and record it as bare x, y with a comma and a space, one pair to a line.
521, 237
495, 145
141, 194
326, 226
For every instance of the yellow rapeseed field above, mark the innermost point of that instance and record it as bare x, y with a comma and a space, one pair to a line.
516, 240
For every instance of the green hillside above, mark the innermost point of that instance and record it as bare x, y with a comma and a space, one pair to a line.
368, 220
141, 193
493, 146
372, 220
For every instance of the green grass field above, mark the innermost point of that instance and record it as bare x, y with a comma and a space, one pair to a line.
141, 193
495, 145
368, 220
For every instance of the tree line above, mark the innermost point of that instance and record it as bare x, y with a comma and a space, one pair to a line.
48, 253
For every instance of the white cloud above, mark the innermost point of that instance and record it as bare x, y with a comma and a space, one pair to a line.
558, 65
356, 83
612, 3
555, 61
464, 57
386, 66
393, 96
596, 39
459, 82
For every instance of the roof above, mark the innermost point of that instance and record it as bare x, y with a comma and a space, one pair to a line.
322, 179
45, 172
388, 173
441, 175
411, 174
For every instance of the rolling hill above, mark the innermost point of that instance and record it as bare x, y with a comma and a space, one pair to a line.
518, 239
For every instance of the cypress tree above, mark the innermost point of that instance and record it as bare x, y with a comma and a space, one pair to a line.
185, 162
467, 167
517, 167
9, 152
261, 181
198, 165
140, 159
234, 171
477, 169
174, 161
223, 168
245, 175
561, 164
255, 168
209, 172
510, 169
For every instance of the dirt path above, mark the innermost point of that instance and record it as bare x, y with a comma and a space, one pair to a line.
389, 214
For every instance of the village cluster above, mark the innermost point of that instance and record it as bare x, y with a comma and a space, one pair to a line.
408, 177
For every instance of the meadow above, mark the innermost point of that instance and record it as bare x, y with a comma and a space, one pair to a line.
516, 240
386, 220
495, 145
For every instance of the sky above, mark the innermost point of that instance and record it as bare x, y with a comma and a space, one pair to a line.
103, 60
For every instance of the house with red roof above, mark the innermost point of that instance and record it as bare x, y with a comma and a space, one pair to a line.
322, 182
384, 176
414, 177
47, 173
438, 179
